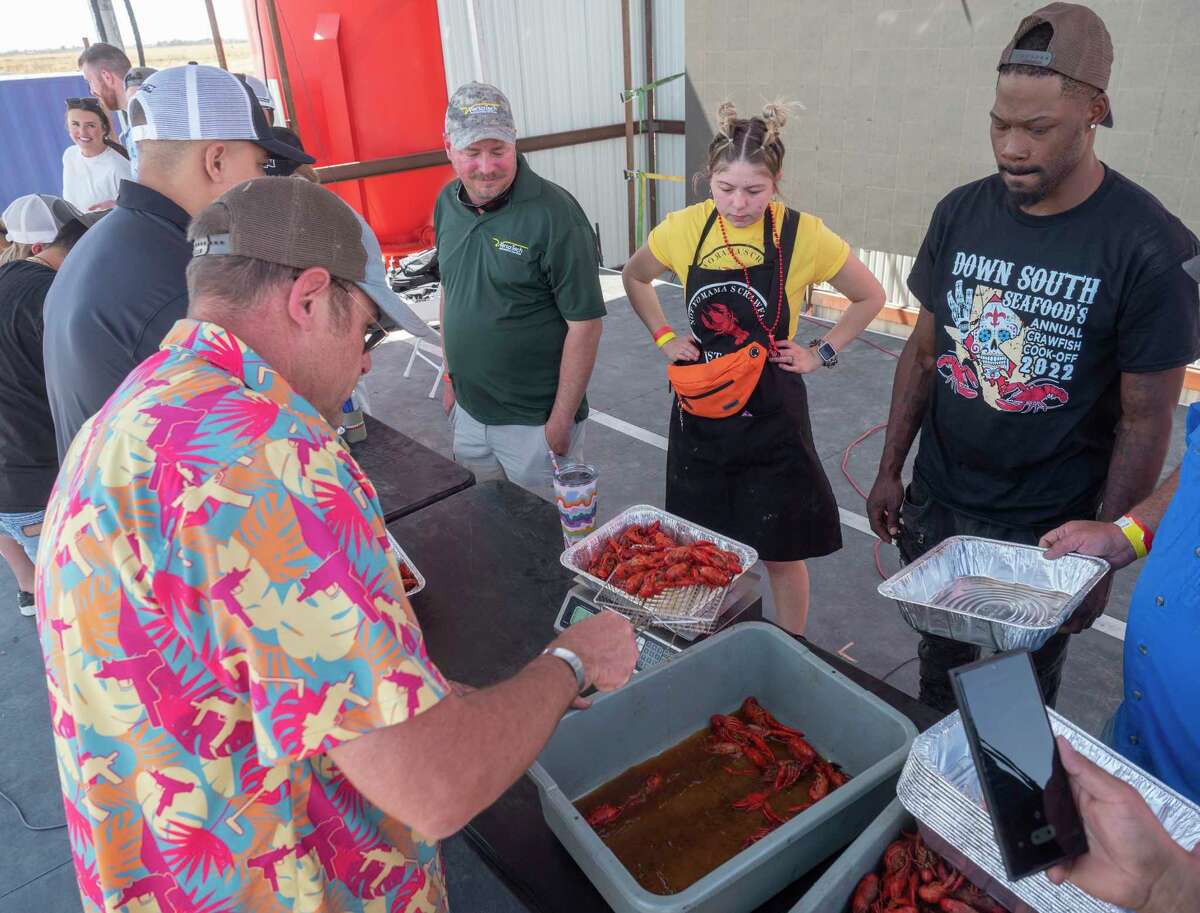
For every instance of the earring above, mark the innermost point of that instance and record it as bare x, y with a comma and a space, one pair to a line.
1091, 126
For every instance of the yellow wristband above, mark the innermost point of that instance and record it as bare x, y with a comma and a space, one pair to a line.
1136, 534
664, 338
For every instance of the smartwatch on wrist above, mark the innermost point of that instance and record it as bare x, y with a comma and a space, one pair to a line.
826, 352
571, 660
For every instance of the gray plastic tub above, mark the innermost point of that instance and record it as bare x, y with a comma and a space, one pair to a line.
832, 892
660, 708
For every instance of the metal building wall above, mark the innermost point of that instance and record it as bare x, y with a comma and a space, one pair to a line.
560, 63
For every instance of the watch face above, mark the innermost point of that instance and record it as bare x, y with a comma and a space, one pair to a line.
826, 351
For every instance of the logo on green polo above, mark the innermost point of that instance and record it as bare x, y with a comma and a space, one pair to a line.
516, 248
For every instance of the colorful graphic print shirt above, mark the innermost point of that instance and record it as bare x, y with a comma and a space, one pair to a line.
1036, 319
218, 607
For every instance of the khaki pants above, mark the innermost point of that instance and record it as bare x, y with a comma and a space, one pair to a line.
518, 453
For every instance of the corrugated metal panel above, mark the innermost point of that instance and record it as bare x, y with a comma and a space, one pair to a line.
560, 63
892, 272
32, 116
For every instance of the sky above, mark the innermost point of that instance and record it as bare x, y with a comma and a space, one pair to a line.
54, 23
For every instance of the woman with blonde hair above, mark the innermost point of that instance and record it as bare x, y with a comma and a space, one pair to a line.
740, 457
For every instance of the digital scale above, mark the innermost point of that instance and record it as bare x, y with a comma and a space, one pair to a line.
661, 644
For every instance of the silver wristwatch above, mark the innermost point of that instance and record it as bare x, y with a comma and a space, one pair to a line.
827, 353
573, 661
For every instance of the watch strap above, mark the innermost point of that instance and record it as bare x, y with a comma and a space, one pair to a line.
826, 352
572, 660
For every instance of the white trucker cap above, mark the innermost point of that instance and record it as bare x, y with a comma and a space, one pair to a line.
196, 102
36, 218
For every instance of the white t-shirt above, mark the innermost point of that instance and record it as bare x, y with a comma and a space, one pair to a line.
88, 181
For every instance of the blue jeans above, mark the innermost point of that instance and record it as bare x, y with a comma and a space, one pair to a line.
17, 526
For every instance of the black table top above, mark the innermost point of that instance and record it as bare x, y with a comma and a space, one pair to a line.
408, 476
495, 585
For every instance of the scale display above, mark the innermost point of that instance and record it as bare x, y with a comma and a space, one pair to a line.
651, 650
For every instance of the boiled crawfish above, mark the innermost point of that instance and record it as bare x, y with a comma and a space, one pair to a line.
605, 814
914, 879
644, 561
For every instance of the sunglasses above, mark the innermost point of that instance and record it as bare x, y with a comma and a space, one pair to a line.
88, 104
376, 334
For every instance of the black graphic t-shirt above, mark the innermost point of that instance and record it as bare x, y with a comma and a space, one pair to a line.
1037, 317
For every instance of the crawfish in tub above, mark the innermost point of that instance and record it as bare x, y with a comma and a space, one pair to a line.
645, 561
915, 879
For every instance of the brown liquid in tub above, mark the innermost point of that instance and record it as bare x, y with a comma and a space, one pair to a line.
674, 818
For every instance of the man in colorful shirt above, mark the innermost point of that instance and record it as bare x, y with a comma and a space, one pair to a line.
244, 712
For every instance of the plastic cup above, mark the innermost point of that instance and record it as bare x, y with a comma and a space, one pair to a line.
575, 496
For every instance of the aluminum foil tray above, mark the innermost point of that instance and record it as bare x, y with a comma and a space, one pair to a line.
404, 559
940, 787
995, 594
696, 608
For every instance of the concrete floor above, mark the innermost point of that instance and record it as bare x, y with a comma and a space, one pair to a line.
629, 386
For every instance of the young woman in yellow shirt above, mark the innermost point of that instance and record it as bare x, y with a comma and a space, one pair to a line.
740, 457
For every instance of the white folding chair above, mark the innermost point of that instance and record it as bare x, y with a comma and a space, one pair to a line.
426, 307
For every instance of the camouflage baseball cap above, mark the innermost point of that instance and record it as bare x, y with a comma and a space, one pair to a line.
300, 224
478, 111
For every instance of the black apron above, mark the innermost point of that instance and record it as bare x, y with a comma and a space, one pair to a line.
754, 477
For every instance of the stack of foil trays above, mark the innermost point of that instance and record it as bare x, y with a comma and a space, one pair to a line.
940, 788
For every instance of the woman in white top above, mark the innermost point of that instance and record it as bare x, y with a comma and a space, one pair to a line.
95, 165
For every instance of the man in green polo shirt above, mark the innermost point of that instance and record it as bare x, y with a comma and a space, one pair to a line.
521, 300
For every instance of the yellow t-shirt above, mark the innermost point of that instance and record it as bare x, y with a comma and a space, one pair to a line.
817, 257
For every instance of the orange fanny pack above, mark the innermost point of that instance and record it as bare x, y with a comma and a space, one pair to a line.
721, 387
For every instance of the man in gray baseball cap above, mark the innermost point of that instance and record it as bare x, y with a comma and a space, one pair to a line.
521, 300
234, 516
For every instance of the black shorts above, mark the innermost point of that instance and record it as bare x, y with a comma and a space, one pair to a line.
755, 478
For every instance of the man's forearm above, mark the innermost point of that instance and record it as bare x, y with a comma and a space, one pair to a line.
575, 370
1151, 511
442, 328
1143, 436
910, 399
503, 728
479, 744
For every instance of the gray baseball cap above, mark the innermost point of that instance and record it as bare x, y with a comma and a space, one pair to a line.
476, 112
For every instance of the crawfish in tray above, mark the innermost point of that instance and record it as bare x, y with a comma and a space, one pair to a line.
644, 561
915, 879
406, 575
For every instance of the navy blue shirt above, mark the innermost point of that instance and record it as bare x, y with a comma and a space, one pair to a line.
1158, 724
112, 302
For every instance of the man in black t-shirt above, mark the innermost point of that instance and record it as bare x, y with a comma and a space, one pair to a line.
28, 460
1054, 332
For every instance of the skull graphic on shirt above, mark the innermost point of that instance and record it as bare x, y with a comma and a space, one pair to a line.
994, 340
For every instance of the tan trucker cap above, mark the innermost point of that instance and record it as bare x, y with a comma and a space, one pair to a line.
1080, 47
300, 224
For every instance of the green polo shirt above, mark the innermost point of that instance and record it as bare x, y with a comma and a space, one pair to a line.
511, 279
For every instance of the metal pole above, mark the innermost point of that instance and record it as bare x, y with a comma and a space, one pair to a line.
216, 34
107, 25
651, 141
630, 164
137, 33
285, 82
